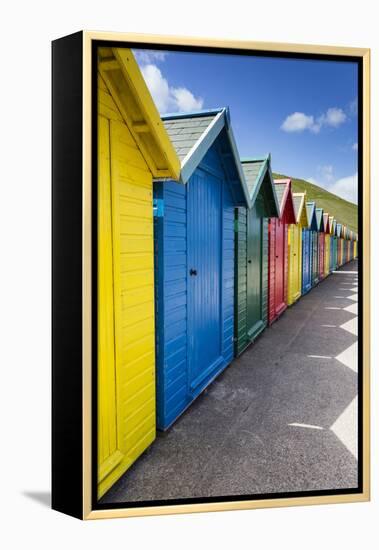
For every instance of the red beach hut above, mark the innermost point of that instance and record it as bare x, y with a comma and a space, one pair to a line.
278, 250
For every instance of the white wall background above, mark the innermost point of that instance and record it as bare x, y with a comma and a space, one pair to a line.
26, 31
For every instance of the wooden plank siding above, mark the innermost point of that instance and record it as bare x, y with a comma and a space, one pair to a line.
176, 386
126, 389
242, 339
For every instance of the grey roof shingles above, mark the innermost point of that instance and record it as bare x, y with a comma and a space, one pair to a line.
280, 189
185, 132
251, 171
297, 203
310, 206
320, 217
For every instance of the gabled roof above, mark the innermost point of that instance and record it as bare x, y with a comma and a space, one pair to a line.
285, 200
125, 83
311, 215
320, 220
259, 181
334, 228
192, 135
326, 223
339, 230
300, 208
331, 225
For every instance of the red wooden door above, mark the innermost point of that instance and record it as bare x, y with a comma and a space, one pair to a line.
279, 265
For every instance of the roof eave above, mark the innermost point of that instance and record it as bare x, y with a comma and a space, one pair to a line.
233, 146
149, 121
301, 207
312, 222
265, 169
285, 198
194, 157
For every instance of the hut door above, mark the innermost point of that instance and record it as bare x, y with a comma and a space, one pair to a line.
204, 211
279, 265
321, 254
254, 269
334, 252
296, 260
315, 255
307, 259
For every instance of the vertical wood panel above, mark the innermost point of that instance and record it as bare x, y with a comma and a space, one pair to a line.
107, 420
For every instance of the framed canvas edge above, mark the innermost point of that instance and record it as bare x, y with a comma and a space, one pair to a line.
364, 496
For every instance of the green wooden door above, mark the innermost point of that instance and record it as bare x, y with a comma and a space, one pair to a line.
254, 270
240, 282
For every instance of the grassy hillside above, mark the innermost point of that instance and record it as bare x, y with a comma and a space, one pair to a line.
344, 211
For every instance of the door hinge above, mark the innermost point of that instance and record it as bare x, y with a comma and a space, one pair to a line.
158, 208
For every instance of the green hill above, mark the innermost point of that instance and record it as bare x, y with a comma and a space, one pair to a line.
344, 211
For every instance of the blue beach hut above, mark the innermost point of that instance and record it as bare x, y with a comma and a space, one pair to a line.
194, 259
308, 241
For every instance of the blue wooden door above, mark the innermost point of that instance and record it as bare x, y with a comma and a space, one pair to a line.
305, 263
204, 214
307, 260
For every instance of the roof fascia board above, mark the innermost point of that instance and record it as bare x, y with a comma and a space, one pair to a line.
193, 114
134, 79
301, 207
233, 146
196, 154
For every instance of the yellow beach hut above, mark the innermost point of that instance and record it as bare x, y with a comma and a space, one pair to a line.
295, 248
133, 148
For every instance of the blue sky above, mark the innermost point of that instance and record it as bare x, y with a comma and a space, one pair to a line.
302, 112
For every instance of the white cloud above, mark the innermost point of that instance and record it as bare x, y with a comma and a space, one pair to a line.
355, 146
144, 57
166, 97
158, 86
298, 122
185, 100
333, 117
347, 188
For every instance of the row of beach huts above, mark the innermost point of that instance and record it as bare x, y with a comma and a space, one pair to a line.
198, 252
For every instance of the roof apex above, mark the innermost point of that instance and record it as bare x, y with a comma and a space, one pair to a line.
120, 72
